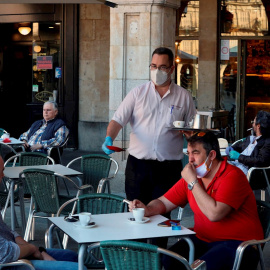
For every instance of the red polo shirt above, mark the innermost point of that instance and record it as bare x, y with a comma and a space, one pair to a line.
229, 186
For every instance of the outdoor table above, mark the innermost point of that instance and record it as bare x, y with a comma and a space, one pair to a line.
117, 226
13, 174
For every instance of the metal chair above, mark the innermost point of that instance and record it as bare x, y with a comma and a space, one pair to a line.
51, 151
95, 203
29, 159
96, 167
223, 143
2, 131
258, 179
25, 264
122, 255
264, 215
43, 186
6, 149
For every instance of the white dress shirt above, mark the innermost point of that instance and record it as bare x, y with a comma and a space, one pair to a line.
151, 118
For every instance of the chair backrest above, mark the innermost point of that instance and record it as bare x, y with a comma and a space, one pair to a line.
264, 215
259, 178
43, 188
6, 149
100, 203
122, 255
2, 131
94, 167
55, 152
223, 143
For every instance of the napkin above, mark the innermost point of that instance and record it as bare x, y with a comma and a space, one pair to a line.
6, 140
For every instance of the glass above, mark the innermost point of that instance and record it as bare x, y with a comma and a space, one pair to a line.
162, 68
188, 18
244, 18
46, 62
186, 65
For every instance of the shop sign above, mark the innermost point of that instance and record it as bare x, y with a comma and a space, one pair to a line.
58, 72
225, 50
44, 62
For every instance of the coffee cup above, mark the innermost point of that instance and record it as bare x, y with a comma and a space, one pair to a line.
179, 124
5, 136
85, 218
138, 214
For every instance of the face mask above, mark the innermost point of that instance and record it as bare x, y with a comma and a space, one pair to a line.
159, 77
202, 170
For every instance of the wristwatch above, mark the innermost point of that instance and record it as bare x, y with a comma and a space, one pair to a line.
192, 184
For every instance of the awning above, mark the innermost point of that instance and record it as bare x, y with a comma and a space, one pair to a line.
107, 3
186, 57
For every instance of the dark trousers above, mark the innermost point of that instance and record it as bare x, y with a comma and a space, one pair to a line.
217, 255
147, 180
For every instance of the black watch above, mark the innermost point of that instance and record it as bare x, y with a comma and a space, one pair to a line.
41, 249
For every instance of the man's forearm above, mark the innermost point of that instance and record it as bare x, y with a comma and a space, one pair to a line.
113, 129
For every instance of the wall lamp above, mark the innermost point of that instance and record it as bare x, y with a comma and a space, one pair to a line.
24, 30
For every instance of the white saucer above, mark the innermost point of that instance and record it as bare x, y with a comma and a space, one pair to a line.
144, 220
78, 224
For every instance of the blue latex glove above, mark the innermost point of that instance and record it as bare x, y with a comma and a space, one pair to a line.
228, 150
234, 155
108, 141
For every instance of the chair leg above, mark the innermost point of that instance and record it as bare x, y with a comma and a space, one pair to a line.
28, 226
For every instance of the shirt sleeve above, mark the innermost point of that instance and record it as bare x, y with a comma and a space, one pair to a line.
9, 251
177, 194
125, 110
24, 136
60, 136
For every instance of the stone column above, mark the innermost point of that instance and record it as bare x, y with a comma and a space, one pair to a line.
208, 40
136, 29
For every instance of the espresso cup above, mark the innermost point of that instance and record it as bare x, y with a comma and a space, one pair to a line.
138, 214
85, 218
5, 136
179, 124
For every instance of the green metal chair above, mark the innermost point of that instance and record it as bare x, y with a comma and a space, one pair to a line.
264, 215
45, 197
55, 152
6, 149
95, 203
2, 131
94, 168
122, 255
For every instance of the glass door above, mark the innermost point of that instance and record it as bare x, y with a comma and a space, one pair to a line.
255, 86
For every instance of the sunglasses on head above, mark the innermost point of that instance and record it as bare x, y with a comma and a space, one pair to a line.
199, 134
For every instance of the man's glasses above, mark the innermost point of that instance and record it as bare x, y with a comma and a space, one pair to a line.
162, 68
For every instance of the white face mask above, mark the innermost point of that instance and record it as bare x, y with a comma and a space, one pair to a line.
202, 170
159, 77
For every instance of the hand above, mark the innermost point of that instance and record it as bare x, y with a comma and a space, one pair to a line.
108, 141
187, 134
228, 150
234, 155
135, 204
47, 257
189, 173
35, 147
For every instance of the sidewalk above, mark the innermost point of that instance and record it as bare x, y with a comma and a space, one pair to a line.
117, 188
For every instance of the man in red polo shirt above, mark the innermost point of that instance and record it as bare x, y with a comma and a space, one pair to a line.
224, 206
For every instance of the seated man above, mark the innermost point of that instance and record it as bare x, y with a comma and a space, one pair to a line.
253, 151
224, 206
49, 132
13, 247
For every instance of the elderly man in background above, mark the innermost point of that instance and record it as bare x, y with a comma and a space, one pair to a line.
49, 132
253, 151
